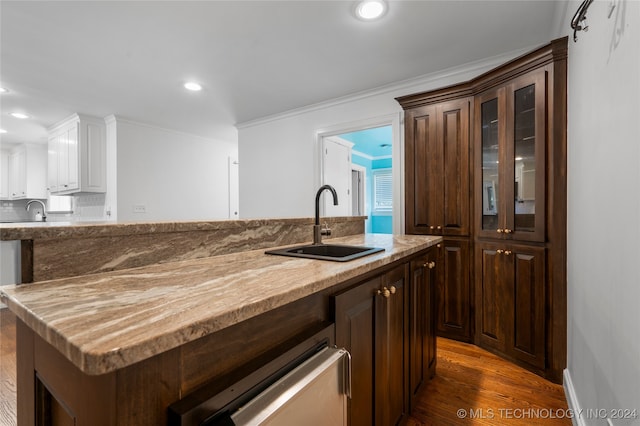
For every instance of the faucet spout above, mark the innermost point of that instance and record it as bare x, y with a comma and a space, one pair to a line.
44, 208
317, 232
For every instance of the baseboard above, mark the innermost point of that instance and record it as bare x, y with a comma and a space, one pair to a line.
572, 399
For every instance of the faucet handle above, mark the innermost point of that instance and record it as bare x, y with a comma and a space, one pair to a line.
326, 230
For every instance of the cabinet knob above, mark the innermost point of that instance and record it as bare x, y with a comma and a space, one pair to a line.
439, 227
508, 231
432, 227
384, 292
507, 252
438, 245
432, 265
392, 289
499, 230
499, 251
425, 265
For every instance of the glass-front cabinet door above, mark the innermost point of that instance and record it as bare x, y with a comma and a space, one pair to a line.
510, 137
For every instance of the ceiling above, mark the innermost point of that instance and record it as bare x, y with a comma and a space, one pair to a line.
253, 58
375, 142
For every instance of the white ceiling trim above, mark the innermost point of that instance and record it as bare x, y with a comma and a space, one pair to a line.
399, 88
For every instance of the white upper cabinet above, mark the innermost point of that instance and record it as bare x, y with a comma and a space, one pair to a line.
4, 174
26, 172
77, 156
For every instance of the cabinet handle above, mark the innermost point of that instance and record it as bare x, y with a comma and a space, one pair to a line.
507, 252
508, 231
432, 265
438, 245
385, 292
439, 227
392, 289
499, 251
499, 230
432, 227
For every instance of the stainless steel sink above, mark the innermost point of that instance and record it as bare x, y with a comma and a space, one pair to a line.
334, 252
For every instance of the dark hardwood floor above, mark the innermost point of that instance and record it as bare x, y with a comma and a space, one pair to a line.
475, 387
491, 391
7, 368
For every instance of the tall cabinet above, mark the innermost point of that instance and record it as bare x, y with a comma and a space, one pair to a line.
437, 183
500, 205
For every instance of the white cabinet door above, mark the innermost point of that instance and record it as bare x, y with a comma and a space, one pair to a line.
337, 173
17, 174
52, 164
72, 173
4, 175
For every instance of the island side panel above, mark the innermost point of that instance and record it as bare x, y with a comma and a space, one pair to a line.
226, 350
53, 391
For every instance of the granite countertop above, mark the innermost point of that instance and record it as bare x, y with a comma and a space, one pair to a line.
104, 322
47, 230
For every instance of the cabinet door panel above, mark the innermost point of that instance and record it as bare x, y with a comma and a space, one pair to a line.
355, 313
525, 163
424, 173
390, 350
490, 128
454, 291
422, 323
453, 129
493, 297
529, 300
417, 327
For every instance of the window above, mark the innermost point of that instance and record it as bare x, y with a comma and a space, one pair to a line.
382, 190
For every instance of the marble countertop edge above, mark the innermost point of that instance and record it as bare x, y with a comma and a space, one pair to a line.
46, 230
95, 357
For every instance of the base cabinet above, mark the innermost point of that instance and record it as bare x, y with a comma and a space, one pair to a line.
455, 319
422, 324
371, 323
388, 325
511, 301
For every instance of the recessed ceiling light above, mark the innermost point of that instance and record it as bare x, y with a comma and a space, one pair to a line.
3, 131
193, 86
369, 10
3, 90
19, 115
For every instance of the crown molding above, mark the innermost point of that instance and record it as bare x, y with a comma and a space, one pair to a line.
400, 88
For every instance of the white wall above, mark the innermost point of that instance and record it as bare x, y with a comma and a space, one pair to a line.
604, 211
175, 176
278, 177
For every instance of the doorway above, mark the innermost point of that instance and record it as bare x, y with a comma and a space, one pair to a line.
359, 164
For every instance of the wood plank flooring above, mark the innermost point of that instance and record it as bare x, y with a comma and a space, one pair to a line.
7, 368
487, 390
467, 378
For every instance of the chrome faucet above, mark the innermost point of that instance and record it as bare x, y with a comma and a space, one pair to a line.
317, 231
44, 208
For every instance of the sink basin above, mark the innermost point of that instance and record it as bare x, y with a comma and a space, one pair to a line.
334, 252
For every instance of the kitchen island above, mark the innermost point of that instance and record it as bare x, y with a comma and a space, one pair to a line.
119, 347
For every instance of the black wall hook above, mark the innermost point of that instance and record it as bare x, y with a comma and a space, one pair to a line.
580, 17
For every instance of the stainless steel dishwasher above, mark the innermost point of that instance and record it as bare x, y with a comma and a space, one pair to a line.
308, 383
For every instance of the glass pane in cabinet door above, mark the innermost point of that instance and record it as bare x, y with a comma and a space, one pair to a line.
490, 164
525, 158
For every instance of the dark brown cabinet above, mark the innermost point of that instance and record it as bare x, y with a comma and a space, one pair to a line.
422, 323
372, 324
511, 315
437, 168
485, 167
510, 137
438, 198
454, 298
